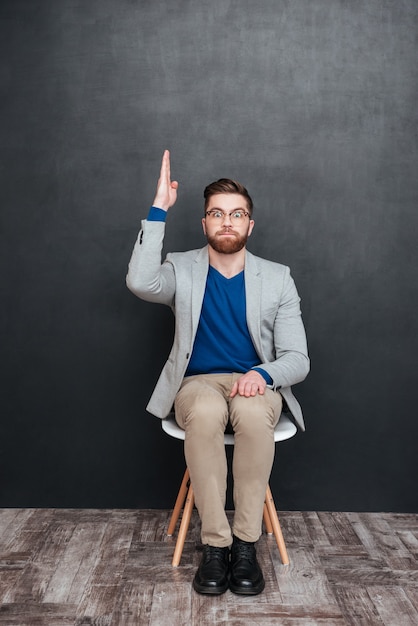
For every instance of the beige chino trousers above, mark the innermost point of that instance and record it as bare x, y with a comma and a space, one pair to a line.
203, 409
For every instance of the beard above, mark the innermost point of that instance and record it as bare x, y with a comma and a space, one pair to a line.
227, 245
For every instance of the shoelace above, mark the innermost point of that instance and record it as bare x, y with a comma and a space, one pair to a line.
212, 552
244, 551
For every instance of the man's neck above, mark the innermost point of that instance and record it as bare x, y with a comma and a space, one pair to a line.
229, 265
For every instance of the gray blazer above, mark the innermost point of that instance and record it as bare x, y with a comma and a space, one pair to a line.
272, 304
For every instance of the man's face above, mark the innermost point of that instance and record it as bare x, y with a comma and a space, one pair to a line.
227, 236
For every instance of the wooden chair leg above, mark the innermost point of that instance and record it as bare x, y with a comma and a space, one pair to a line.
276, 526
185, 521
267, 520
181, 497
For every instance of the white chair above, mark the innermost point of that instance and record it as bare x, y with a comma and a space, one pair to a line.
285, 429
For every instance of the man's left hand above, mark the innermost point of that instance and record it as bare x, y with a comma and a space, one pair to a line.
250, 384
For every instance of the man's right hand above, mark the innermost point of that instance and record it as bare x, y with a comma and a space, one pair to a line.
166, 194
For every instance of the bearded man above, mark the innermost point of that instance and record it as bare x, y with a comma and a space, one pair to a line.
239, 345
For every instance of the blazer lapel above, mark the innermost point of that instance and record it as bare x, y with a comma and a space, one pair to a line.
199, 276
253, 284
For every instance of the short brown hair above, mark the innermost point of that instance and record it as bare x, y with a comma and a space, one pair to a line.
226, 185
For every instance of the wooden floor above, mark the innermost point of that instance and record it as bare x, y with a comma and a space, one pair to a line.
110, 567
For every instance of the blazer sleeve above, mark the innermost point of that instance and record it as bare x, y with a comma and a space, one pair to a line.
147, 277
290, 364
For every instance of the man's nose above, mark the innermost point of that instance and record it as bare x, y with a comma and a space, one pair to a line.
226, 219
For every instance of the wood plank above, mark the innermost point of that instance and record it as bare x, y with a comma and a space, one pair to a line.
400, 521
377, 536
8, 519
49, 545
208, 610
14, 560
318, 536
130, 517
68, 582
293, 524
8, 580
366, 576
134, 603
11, 566
270, 562
151, 564
342, 552
357, 606
412, 594
339, 529
250, 611
171, 604
146, 528
285, 620
35, 614
393, 605
29, 533
12, 522
410, 541
103, 587
303, 583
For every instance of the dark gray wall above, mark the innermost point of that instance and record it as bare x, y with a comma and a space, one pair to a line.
312, 104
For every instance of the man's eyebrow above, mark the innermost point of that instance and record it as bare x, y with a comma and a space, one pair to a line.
238, 208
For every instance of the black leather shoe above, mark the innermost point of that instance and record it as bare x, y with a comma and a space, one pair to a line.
212, 575
246, 576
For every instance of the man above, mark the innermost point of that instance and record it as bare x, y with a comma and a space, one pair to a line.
239, 338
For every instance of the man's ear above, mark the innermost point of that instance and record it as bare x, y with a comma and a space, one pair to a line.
204, 225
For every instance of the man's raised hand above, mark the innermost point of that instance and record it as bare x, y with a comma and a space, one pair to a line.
166, 194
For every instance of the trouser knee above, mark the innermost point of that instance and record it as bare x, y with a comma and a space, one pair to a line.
198, 407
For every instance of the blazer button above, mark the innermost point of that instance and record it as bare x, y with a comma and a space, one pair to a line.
187, 355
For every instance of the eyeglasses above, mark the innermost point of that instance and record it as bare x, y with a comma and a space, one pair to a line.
236, 217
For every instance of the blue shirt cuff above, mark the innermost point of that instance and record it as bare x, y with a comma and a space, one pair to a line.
264, 374
156, 215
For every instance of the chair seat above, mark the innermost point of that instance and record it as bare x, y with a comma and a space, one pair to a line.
285, 429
